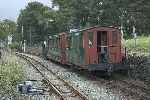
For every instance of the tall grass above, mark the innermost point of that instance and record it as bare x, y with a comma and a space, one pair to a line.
142, 42
11, 73
141, 71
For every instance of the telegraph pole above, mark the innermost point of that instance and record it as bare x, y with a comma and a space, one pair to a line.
30, 36
22, 31
135, 36
23, 45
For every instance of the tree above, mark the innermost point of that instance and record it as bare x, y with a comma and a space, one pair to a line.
35, 18
2, 33
76, 11
7, 27
33, 21
125, 13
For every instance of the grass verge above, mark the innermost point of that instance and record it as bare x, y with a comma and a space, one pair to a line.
11, 72
142, 42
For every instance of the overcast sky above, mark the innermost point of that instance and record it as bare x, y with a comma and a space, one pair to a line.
10, 9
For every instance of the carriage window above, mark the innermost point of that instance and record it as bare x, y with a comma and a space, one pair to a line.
50, 43
90, 35
81, 41
68, 42
114, 37
54, 43
69, 38
77, 41
59, 40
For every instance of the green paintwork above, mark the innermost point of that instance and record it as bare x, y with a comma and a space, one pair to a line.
75, 52
54, 51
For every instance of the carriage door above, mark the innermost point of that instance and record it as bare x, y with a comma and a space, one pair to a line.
114, 49
63, 48
102, 46
90, 47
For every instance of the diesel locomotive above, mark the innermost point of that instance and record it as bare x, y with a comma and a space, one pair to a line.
96, 48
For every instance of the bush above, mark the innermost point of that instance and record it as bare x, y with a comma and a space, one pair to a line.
14, 45
142, 42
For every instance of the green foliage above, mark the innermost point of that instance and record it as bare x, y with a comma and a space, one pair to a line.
142, 42
10, 73
14, 45
37, 21
7, 27
85, 13
77, 11
2, 35
35, 18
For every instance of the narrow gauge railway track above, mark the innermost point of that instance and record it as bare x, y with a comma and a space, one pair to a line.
137, 84
58, 85
136, 89
128, 87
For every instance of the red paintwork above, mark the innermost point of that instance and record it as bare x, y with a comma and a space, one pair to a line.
91, 56
90, 53
114, 50
62, 46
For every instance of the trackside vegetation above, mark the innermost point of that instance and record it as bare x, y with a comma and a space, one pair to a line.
141, 42
142, 50
11, 73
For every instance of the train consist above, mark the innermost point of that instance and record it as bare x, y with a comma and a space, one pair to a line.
95, 49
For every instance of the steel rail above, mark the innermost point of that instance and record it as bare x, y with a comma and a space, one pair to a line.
45, 79
57, 91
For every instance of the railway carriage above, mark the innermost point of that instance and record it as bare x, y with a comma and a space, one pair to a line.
95, 49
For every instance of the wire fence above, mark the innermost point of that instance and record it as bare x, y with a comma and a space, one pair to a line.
139, 62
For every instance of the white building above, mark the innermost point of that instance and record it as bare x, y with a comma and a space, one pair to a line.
9, 39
